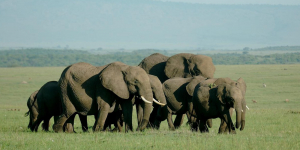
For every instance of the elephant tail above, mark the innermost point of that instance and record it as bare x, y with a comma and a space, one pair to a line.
27, 114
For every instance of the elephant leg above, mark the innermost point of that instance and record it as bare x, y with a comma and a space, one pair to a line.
194, 123
202, 126
46, 123
84, 125
153, 120
120, 123
209, 123
223, 127
127, 112
139, 113
101, 117
59, 124
170, 122
227, 124
36, 124
230, 111
179, 120
69, 125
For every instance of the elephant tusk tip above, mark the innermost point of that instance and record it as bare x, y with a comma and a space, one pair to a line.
146, 101
247, 107
157, 102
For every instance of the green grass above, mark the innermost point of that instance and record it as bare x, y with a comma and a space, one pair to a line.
271, 123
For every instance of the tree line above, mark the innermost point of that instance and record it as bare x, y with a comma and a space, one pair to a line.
48, 57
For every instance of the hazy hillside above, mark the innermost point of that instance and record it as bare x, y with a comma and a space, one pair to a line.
146, 24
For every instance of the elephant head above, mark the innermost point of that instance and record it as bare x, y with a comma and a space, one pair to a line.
32, 113
232, 96
189, 65
240, 84
154, 65
128, 81
160, 111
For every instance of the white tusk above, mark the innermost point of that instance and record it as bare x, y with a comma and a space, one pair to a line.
247, 107
157, 102
143, 98
242, 110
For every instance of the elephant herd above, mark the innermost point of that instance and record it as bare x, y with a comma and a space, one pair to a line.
159, 87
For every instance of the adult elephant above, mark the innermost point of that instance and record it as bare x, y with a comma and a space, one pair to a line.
180, 65
215, 102
44, 104
160, 109
158, 114
90, 90
177, 92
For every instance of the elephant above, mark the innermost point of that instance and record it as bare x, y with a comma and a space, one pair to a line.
180, 65
177, 91
215, 101
160, 109
115, 118
89, 90
44, 104
158, 114
240, 84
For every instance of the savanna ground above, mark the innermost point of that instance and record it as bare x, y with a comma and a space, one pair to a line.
271, 123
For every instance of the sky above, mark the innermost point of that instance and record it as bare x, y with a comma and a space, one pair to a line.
270, 2
146, 24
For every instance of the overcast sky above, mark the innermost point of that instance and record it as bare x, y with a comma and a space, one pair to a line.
272, 2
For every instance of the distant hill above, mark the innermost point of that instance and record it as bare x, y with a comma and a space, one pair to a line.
137, 24
48, 57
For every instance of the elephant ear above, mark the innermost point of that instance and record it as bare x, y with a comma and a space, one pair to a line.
191, 86
241, 84
221, 93
178, 66
112, 78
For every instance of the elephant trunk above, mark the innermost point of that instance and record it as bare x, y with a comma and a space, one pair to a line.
238, 110
162, 112
147, 108
243, 114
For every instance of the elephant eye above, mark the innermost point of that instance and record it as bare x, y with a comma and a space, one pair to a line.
136, 81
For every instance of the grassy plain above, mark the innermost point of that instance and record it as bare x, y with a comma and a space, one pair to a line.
271, 123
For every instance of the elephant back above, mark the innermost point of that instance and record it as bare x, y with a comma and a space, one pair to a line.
155, 65
188, 65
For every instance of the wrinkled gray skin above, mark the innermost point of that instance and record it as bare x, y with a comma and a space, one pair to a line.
44, 104
215, 98
90, 90
159, 113
180, 65
178, 92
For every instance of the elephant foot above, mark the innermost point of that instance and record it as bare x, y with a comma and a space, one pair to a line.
172, 129
57, 128
115, 130
97, 129
232, 132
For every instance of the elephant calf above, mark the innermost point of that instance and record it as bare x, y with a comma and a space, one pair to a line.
215, 102
45, 103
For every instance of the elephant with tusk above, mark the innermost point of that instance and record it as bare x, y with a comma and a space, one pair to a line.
89, 90
223, 97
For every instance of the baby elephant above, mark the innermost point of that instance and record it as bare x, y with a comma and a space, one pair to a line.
215, 102
45, 103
